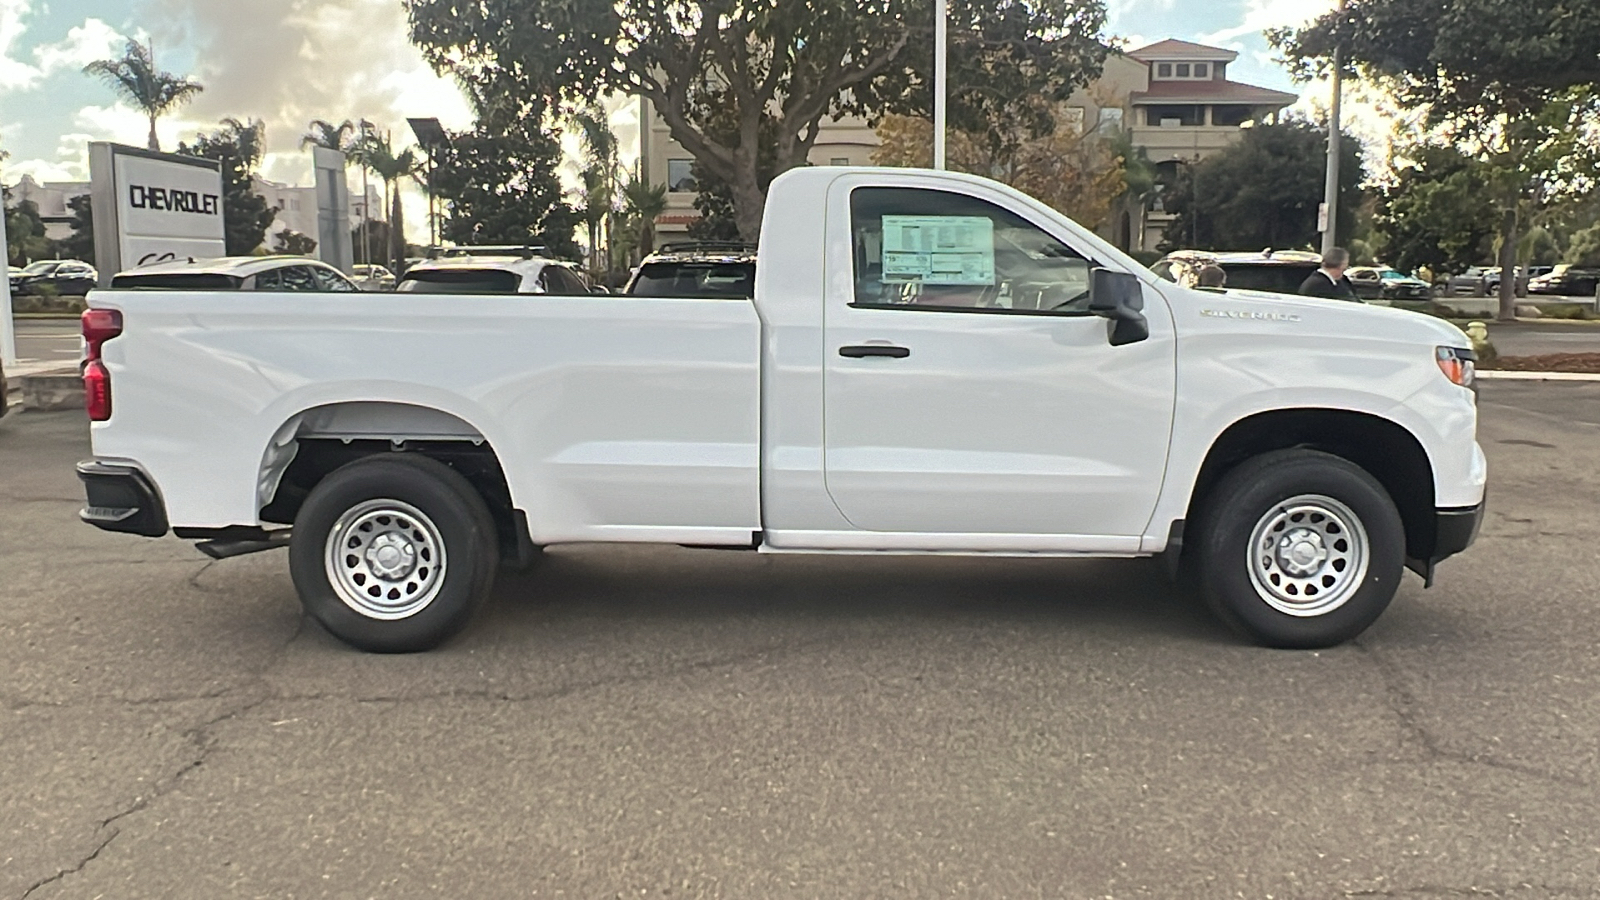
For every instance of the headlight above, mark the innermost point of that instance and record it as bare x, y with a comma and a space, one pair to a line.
1457, 364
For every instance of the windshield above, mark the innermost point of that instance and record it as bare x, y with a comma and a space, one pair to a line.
460, 281
1277, 279
178, 281
41, 268
1392, 275
695, 279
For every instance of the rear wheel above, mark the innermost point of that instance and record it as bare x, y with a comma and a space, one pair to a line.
393, 553
1300, 549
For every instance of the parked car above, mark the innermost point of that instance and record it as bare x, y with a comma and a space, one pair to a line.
66, 277
371, 277
1474, 282
494, 270
1384, 283
238, 273
933, 363
1567, 281
697, 269
1274, 271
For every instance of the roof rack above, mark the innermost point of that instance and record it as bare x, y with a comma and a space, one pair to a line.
691, 246
526, 251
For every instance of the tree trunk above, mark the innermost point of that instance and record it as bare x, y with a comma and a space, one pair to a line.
749, 203
1508, 265
155, 143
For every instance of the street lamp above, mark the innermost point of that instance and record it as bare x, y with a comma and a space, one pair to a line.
1330, 191
940, 100
432, 138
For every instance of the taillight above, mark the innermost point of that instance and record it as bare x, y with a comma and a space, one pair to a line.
97, 391
99, 326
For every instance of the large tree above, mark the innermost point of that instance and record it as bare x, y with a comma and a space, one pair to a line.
135, 78
245, 214
1262, 191
80, 243
499, 180
1437, 212
794, 63
1508, 81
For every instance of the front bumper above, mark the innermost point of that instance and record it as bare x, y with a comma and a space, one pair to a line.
121, 498
1454, 531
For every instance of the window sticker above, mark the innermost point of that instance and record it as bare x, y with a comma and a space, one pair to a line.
952, 250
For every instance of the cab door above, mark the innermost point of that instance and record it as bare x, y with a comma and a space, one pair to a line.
969, 391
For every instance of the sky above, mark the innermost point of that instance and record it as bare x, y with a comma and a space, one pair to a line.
289, 61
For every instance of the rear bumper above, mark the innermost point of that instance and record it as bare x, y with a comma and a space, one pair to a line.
122, 499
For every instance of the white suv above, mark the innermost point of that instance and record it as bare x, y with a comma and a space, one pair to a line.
238, 273
494, 270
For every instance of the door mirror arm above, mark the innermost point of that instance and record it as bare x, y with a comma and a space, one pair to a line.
1119, 297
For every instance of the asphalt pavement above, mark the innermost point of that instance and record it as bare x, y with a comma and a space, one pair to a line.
1540, 338
662, 722
44, 344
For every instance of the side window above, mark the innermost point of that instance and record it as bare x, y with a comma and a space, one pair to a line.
329, 280
270, 280
563, 281
299, 278
927, 249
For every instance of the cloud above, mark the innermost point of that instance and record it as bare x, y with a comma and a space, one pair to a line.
84, 44
15, 75
289, 63
1260, 15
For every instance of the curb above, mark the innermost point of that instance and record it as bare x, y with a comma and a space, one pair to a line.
1504, 375
54, 390
46, 315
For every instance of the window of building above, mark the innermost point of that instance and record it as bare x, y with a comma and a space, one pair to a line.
936, 250
1202, 70
1182, 71
1073, 119
1231, 116
1110, 119
839, 161
1164, 70
1185, 115
680, 175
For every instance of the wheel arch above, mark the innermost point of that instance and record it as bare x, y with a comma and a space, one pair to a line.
312, 443
1385, 449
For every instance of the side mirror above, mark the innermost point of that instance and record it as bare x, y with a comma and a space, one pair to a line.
1119, 296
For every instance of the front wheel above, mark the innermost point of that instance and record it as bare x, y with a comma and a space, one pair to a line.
393, 553
1300, 549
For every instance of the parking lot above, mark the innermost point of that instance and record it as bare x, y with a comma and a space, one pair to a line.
695, 723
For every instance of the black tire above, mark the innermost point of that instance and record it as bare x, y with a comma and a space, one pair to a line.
454, 525
1254, 495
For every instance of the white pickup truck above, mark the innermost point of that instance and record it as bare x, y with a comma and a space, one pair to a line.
932, 364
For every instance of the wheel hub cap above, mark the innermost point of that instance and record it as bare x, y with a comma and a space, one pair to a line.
385, 559
1308, 555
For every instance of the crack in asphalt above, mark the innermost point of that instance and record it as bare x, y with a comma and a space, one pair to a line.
200, 735
1433, 890
1404, 705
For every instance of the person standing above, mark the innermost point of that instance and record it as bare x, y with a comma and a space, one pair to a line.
1330, 281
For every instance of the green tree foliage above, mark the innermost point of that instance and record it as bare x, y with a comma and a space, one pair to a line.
245, 213
1584, 249
1510, 82
134, 77
293, 243
377, 153
325, 134
1262, 191
377, 238
25, 238
499, 180
782, 64
1438, 212
80, 243
644, 203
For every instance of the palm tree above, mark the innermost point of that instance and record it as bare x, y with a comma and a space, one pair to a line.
645, 202
135, 78
323, 133
600, 177
376, 153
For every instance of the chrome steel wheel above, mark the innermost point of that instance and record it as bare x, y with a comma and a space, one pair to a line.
1308, 555
385, 559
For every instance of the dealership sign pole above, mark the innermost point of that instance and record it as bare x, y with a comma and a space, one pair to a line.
8, 334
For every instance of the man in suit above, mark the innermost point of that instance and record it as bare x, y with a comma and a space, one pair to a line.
1330, 281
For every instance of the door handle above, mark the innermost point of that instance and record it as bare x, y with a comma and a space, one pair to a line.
862, 351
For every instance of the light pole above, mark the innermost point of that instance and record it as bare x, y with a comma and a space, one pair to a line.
940, 76
8, 335
1330, 191
366, 200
